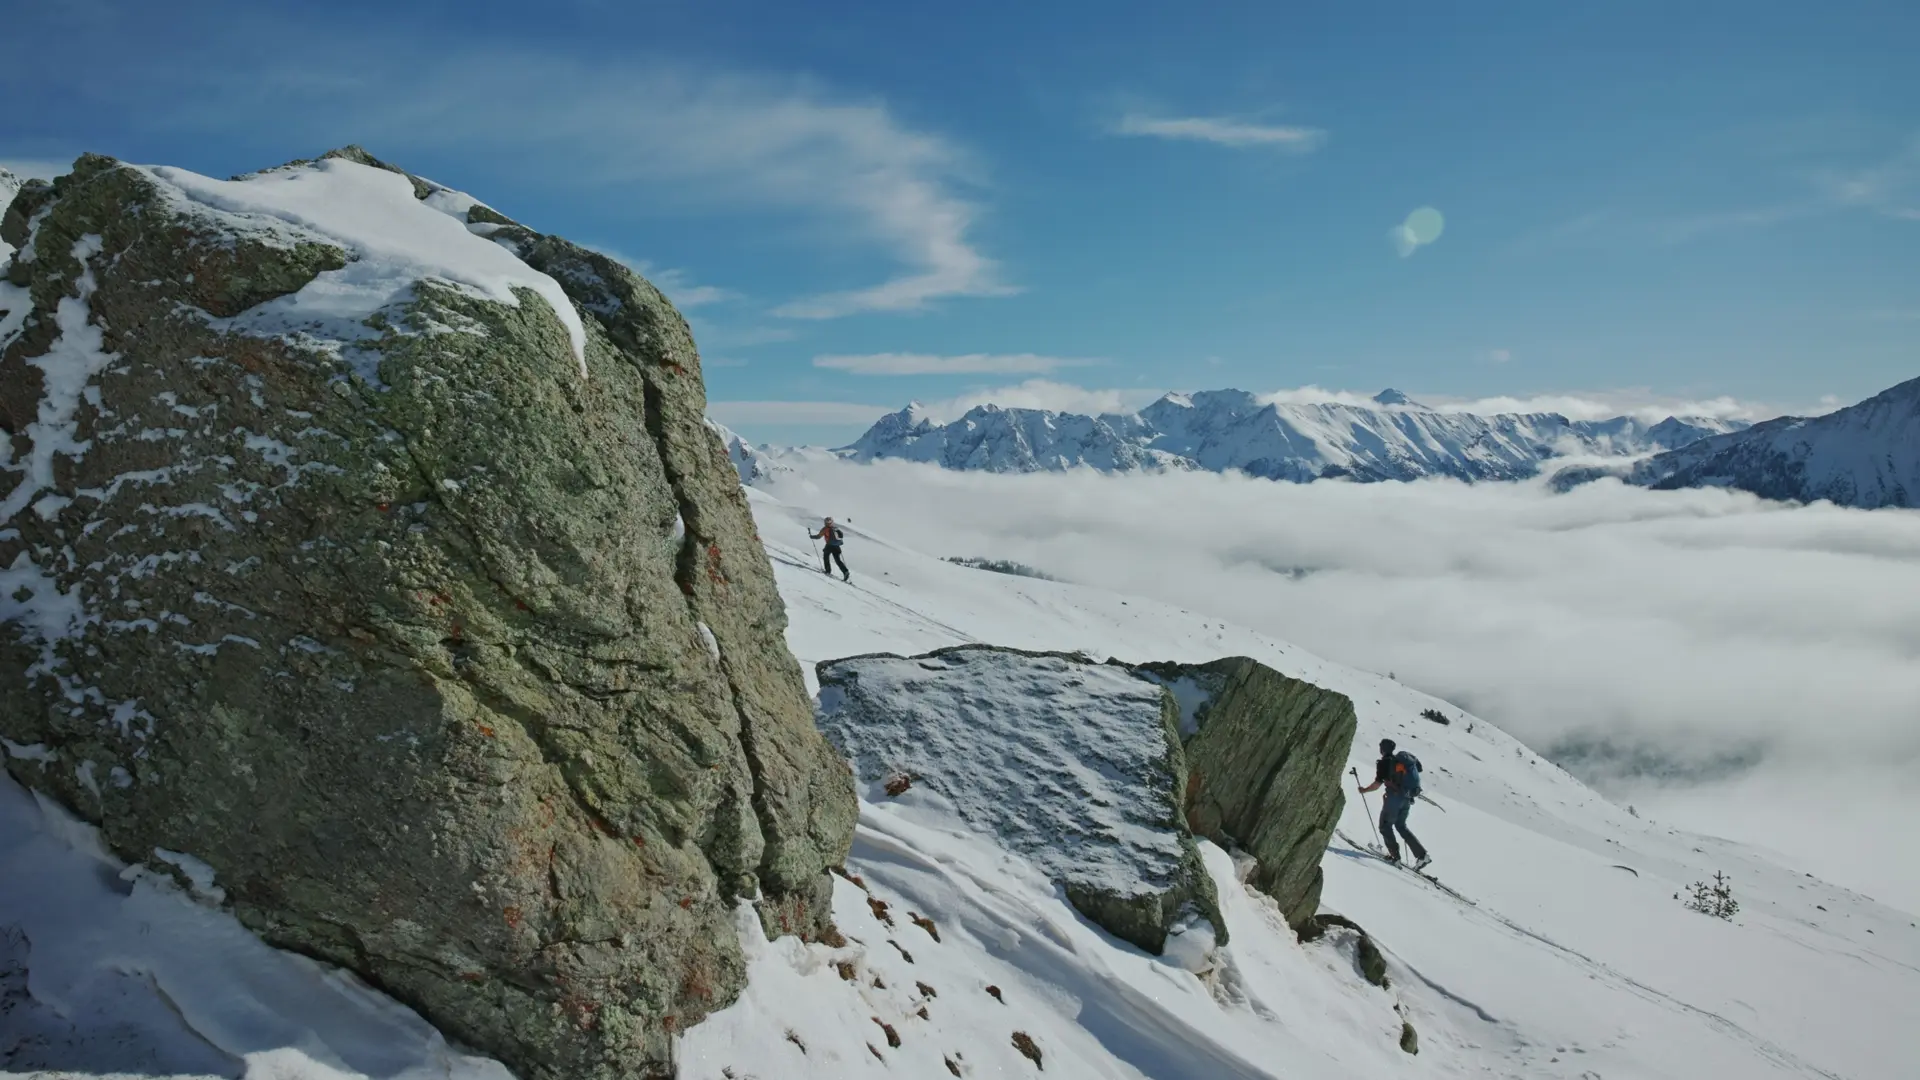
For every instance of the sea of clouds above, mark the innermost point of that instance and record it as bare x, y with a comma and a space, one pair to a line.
1741, 667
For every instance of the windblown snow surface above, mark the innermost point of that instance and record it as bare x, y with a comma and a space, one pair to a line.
1557, 947
393, 240
1561, 951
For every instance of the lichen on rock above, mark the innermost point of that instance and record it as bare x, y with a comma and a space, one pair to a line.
444, 639
1264, 755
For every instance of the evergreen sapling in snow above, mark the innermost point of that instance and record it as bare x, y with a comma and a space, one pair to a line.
1715, 899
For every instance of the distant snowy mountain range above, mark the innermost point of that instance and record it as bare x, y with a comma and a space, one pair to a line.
1865, 455
1393, 438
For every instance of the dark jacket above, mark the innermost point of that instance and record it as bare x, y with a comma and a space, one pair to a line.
1384, 772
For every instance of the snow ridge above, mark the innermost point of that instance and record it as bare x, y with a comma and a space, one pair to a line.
1865, 455
1396, 438
393, 239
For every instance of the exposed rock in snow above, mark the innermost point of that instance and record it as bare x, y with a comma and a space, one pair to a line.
9, 186
1221, 430
1265, 764
328, 582
1074, 764
1865, 455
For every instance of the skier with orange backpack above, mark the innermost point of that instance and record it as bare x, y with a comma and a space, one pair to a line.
1399, 773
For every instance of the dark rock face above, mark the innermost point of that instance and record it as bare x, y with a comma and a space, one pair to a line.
1264, 760
452, 651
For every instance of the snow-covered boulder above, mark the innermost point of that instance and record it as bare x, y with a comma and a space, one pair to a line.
365, 557
1073, 764
1264, 757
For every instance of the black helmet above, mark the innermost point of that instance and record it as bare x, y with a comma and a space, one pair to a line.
1386, 747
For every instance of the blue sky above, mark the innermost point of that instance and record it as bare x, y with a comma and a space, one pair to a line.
859, 204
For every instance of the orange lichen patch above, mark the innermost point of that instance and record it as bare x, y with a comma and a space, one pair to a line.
487, 731
582, 1010
686, 902
383, 507
513, 916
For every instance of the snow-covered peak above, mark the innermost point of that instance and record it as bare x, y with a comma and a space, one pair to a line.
1866, 455
392, 237
754, 464
9, 187
1390, 396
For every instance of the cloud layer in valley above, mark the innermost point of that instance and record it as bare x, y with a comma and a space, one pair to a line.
1751, 667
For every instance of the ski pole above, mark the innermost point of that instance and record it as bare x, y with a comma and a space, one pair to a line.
1368, 808
1423, 798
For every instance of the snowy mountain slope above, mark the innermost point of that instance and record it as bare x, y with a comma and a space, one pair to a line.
1569, 957
1396, 438
1865, 455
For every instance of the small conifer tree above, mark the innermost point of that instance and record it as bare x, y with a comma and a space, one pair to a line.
1714, 899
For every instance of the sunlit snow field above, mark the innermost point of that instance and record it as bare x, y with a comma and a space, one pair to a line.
1747, 668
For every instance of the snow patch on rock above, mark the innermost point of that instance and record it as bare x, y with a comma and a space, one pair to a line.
393, 240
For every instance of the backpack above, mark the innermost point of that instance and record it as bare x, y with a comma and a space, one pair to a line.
1406, 774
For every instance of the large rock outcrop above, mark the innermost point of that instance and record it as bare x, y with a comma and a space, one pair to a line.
1264, 757
371, 549
1103, 774
1074, 764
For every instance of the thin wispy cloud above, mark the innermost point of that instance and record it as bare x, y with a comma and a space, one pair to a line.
848, 169
678, 284
1221, 131
1889, 188
1043, 394
34, 168
742, 414
964, 364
